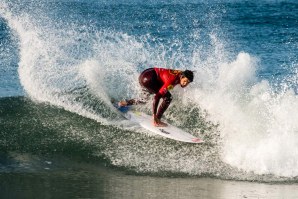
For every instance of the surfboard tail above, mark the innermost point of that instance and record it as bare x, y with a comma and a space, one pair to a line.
197, 140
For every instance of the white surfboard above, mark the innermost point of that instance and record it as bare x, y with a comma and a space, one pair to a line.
169, 131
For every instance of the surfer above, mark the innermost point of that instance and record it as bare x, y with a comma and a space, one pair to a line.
159, 81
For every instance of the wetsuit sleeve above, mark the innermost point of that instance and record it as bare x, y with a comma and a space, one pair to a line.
165, 88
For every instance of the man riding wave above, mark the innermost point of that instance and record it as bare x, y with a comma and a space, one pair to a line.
159, 81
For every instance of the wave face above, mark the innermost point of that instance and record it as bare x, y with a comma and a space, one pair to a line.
243, 100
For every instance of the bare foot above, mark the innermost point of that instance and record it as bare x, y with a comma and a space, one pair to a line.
160, 124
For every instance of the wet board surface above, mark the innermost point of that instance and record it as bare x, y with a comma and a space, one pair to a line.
169, 131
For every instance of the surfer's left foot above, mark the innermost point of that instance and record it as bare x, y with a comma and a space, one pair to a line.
122, 103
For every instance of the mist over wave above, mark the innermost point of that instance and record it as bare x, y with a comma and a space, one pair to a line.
258, 125
75, 63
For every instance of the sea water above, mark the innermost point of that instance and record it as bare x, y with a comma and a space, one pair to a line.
62, 61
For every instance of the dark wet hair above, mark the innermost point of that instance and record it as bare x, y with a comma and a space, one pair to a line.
188, 74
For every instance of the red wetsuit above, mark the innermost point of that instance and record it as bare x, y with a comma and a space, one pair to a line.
169, 77
159, 81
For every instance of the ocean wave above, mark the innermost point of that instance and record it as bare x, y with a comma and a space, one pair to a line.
79, 67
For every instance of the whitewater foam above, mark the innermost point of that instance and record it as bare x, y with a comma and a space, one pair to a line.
258, 125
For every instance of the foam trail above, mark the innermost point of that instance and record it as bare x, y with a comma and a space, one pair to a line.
50, 70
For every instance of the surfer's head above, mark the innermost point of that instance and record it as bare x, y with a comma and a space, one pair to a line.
185, 78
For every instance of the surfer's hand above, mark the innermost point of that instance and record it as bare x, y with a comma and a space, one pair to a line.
122, 103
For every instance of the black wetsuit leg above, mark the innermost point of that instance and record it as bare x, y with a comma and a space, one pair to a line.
167, 98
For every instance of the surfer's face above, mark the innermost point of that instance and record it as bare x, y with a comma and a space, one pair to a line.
184, 82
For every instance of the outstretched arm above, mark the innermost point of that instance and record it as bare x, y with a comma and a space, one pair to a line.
131, 102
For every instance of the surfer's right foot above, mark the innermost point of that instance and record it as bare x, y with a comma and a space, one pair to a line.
160, 124
122, 103
157, 122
